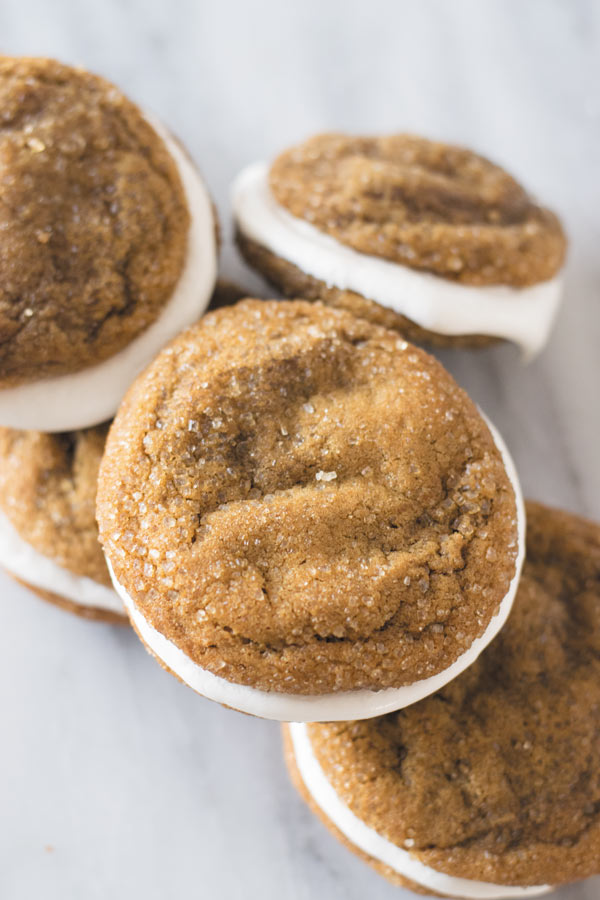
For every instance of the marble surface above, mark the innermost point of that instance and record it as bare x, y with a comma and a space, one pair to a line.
115, 780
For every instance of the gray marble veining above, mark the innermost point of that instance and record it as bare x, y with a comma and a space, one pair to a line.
115, 780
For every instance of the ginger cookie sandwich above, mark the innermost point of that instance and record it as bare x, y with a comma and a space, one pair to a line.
489, 788
108, 244
48, 532
305, 516
423, 237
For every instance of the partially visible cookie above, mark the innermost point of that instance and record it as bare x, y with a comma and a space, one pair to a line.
48, 532
226, 293
107, 244
495, 778
424, 237
305, 515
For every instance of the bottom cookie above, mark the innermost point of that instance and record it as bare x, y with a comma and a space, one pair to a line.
48, 533
91, 613
226, 293
292, 282
488, 789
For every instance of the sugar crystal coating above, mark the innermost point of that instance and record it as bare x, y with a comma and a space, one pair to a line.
324, 513
423, 204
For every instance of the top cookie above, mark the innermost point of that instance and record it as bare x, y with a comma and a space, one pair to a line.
93, 223
305, 503
497, 777
423, 204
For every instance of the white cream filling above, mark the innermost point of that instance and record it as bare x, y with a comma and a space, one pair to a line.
21, 559
343, 705
85, 398
378, 847
522, 315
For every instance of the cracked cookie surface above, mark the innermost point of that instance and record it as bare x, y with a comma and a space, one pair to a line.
48, 486
304, 502
424, 204
496, 776
93, 220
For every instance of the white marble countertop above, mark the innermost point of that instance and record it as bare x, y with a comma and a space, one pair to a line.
115, 780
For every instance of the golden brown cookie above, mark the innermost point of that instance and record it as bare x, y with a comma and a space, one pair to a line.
48, 532
495, 778
102, 222
110, 232
299, 504
404, 223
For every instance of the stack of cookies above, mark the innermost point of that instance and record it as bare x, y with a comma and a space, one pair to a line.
303, 515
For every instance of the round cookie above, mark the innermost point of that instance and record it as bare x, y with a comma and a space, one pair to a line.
108, 244
426, 238
489, 788
48, 532
305, 516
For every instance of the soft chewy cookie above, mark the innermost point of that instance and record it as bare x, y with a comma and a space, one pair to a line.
423, 237
48, 532
305, 515
107, 244
489, 788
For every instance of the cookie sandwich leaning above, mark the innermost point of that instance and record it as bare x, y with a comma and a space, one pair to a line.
424, 237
